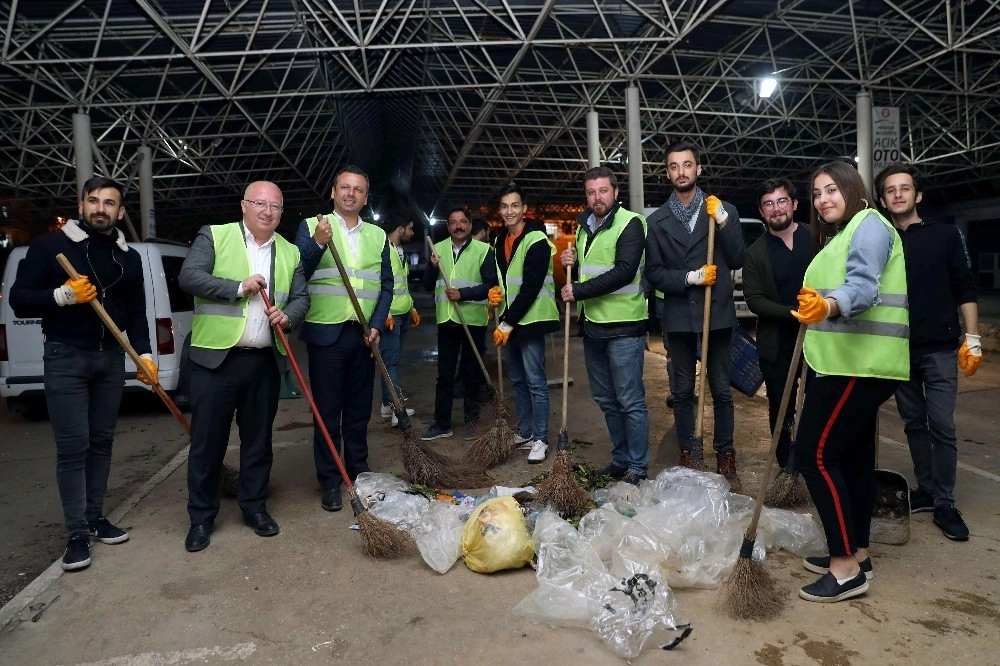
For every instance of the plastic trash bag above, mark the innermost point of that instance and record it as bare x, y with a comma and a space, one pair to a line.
600, 528
798, 533
439, 537
496, 537
374, 486
404, 510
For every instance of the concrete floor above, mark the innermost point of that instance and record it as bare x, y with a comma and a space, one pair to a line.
310, 596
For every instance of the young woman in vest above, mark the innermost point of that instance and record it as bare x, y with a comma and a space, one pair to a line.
854, 303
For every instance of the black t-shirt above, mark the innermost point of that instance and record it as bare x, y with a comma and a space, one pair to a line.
789, 269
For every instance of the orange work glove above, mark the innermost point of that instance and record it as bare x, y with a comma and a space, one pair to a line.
150, 367
813, 308
714, 207
502, 333
703, 276
495, 296
970, 354
415, 317
75, 290
390, 323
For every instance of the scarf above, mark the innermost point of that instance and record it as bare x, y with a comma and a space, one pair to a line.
688, 215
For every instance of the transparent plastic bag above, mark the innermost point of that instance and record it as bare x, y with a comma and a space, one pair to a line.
798, 533
439, 537
374, 486
601, 528
404, 510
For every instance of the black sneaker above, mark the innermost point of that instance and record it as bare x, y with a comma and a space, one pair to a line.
633, 477
821, 565
77, 555
949, 519
828, 590
614, 471
921, 501
437, 431
102, 530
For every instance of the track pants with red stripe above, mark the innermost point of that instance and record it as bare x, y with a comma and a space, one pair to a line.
835, 453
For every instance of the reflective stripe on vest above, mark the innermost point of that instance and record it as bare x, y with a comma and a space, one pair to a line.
543, 308
402, 302
330, 302
466, 273
219, 325
874, 343
625, 304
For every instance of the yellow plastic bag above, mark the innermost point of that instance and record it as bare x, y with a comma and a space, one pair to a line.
496, 537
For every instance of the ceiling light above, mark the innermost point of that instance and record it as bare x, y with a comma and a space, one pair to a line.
767, 86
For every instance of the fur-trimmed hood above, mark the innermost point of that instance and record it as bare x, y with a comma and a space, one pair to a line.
75, 233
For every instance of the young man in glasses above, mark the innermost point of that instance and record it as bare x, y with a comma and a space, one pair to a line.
772, 276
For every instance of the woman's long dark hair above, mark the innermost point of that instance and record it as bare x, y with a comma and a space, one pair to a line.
856, 197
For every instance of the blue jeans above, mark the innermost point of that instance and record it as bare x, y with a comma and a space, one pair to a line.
83, 391
391, 347
683, 353
525, 359
614, 367
926, 403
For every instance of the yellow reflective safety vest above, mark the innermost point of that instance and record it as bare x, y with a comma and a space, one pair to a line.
329, 300
875, 343
543, 308
402, 302
466, 273
220, 324
622, 305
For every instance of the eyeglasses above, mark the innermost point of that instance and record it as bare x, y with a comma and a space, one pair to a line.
263, 205
780, 203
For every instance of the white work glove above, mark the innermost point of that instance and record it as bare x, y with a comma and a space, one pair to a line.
703, 276
714, 207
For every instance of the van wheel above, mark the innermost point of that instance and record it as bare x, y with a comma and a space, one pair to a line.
32, 409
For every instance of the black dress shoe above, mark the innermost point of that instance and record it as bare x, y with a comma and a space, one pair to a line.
262, 523
331, 499
198, 538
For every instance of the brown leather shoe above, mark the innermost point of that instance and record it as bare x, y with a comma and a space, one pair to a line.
726, 466
685, 459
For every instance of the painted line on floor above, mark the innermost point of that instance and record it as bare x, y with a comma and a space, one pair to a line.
961, 465
237, 652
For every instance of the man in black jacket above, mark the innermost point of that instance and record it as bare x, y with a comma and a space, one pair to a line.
941, 284
772, 276
84, 366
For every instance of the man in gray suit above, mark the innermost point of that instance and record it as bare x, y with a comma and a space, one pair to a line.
677, 264
235, 355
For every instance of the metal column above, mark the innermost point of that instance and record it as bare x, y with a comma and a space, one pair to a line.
864, 111
636, 199
593, 140
147, 224
82, 153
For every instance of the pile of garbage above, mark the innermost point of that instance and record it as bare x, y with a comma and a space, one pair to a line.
614, 573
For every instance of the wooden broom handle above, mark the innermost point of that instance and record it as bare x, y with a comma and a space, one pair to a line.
706, 322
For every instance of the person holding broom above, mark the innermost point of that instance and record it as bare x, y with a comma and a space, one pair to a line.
676, 254
341, 364
402, 313
855, 305
235, 358
610, 244
526, 312
772, 277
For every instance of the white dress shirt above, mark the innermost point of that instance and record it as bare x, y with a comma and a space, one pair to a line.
256, 333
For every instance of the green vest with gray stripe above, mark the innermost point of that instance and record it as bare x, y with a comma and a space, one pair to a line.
875, 343
622, 305
466, 273
329, 301
219, 324
543, 308
402, 302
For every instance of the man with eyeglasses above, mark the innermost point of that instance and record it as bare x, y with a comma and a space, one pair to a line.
941, 284
772, 276
236, 358
341, 365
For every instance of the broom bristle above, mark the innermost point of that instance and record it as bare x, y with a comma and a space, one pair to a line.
787, 491
428, 467
750, 592
381, 539
495, 445
561, 490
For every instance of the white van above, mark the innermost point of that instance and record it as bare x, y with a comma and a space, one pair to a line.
168, 310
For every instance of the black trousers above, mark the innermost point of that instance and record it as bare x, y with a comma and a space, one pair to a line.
246, 384
775, 372
342, 376
835, 452
451, 341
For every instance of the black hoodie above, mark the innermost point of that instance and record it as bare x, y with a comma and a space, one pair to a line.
536, 267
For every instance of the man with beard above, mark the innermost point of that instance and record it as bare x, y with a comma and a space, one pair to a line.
941, 284
610, 243
772, 277
84, 366
402, 313
676, 253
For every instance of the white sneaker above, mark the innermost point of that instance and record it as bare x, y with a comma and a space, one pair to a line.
523, 443
395, 421
386, 411
538, 451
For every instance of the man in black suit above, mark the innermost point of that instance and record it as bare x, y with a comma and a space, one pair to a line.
235, 354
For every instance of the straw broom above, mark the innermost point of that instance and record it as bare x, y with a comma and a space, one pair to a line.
378, 538
423, 465
788, 490
750, 592
560, 488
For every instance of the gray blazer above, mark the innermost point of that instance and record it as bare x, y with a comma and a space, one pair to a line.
196, 279
671, 252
